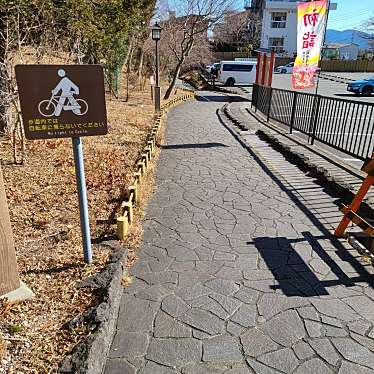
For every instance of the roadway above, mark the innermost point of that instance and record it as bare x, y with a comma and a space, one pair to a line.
327, 87
347, 125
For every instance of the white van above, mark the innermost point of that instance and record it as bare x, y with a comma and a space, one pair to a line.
237, 72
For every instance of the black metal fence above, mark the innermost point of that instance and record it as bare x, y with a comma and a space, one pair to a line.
346, 125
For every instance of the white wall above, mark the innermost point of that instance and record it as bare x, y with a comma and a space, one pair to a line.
289, 33
349, 52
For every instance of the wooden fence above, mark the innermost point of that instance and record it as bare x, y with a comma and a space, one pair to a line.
328, 65
347, 66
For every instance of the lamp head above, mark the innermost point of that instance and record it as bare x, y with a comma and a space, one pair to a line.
156, 31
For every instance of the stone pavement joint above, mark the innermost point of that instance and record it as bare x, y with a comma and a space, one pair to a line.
238, 272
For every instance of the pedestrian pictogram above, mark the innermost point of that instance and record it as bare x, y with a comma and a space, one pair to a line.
63, 99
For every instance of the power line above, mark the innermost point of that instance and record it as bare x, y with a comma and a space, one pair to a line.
356, 15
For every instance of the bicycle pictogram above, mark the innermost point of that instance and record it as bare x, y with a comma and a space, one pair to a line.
65, 101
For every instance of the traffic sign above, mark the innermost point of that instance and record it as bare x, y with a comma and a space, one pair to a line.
59, 101
65, 101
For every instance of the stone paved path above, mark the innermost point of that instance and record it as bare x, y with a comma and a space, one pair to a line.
235, 274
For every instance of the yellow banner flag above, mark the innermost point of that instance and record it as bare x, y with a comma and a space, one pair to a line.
311, 25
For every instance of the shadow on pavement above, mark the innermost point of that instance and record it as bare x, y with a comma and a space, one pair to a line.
346, 95
292, 274
197, 145
218, 99
284, 262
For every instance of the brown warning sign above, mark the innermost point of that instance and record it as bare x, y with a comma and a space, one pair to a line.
60, 101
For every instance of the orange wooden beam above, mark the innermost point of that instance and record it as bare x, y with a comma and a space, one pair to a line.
356, 202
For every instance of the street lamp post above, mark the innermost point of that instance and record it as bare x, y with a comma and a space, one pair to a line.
156, 35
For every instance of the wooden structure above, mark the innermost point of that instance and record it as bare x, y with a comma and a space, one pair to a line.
265, 67
9, 278
350, 212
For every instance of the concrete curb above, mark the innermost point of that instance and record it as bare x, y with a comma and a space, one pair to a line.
335, 186
89, 356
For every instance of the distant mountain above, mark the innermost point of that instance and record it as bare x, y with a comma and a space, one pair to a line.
348, 36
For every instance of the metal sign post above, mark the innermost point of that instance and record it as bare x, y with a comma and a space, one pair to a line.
82, 197
65, 101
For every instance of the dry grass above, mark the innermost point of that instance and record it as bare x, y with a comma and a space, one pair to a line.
44, 213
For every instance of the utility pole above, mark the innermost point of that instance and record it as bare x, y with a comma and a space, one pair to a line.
2, 72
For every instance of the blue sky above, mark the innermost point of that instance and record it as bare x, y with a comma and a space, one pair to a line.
351, 14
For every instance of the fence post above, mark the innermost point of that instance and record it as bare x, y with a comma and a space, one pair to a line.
253, 90
293, 111
255, 96
270, 96
315, 119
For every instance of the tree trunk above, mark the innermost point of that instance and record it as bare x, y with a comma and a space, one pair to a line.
129, 51
174, 81
3, 103
3, 85
131, 59
140, 67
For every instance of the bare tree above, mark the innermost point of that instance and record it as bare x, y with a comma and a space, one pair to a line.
197, 17
15, 32
370, 30
24, 36
238, 30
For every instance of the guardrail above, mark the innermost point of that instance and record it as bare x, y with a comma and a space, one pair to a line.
345, 125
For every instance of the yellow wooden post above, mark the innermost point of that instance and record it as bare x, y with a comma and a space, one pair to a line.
133, 190
145, 159
148, 151
138, 175
122, 227
128, 208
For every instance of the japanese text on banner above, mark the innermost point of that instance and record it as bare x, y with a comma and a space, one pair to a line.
311, 23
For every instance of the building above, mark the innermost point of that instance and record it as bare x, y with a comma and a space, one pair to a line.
279, 24
336, 51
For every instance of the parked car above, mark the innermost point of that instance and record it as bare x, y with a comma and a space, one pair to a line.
237, 72
362, 87
284, 68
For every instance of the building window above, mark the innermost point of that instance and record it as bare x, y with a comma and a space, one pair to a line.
278, 20
276, 44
